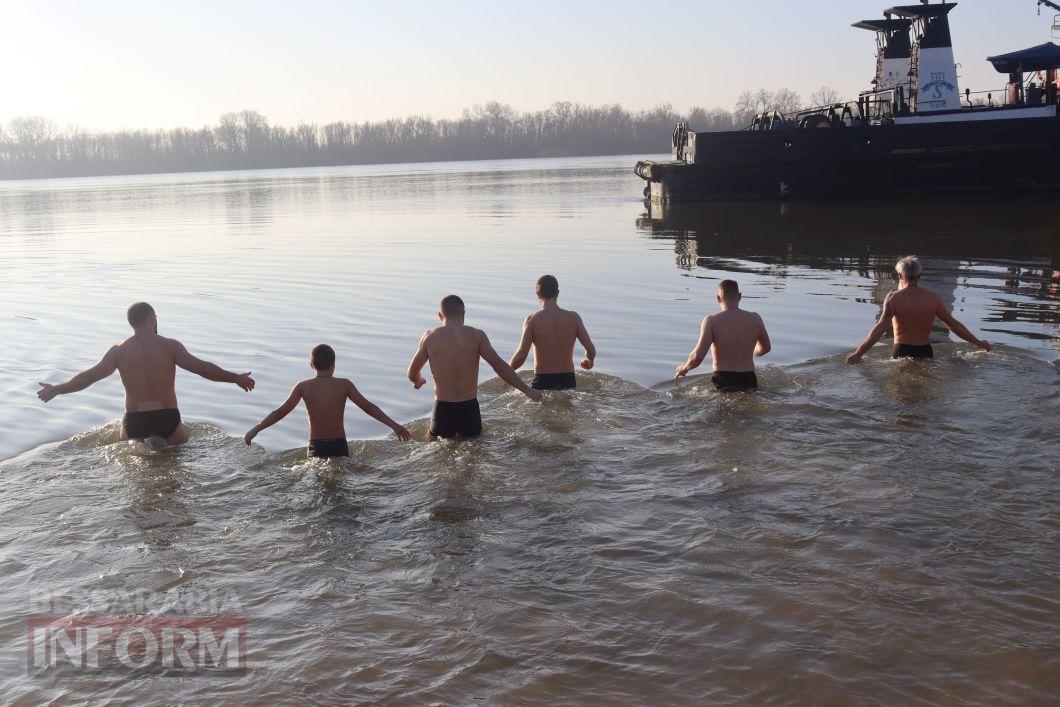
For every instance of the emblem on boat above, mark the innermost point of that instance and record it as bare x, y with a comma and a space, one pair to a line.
937, 83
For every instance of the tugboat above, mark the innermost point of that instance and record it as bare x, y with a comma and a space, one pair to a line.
914, 133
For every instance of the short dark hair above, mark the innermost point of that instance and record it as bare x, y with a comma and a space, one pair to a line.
728, 289
323, 357
452, 306
138, 313
547, 286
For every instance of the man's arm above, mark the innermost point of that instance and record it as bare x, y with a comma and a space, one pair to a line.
959, 329
519, 357
103, 368
587, 344
373, 410
419, 360
276, 415
502, 368
706, 339
877, 332
763, 346
208, 370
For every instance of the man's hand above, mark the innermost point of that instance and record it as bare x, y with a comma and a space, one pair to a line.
420, 382
984, 345
854, 358
249, 436
402, 433
47, 391
680, 372
534, 395
587, 363
244, 381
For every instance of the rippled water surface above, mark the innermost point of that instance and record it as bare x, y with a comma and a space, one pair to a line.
885, 533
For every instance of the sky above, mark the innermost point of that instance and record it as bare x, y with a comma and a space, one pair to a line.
109, 64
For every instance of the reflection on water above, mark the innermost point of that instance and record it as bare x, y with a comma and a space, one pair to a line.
1009, 248
872, 534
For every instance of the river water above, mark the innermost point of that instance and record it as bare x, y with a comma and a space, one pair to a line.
885, 533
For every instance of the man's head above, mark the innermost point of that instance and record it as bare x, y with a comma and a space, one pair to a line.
729, 292
909, 269
547, 287
322, 359
142, 317
451, 309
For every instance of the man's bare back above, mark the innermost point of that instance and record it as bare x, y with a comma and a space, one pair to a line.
734, 335
147, 365
913, 311
453, 353
553, 332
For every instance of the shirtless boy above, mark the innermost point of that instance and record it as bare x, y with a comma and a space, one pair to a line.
147, 365
552, 332
325, 399
912, 311
736, 337
453, 351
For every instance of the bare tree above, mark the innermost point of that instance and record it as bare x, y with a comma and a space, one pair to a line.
786, 101
824, 96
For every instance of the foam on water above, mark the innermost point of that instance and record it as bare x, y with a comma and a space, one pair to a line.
884, 533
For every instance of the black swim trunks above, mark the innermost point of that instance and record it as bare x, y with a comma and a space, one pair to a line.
911, 351
453, 419
325, 448
734, 381
141, 425
554, 381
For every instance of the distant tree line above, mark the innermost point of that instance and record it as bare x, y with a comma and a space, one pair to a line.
31, 146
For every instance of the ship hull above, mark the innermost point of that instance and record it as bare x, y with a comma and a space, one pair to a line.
865, 160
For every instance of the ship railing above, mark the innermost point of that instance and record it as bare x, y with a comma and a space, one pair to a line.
882, 105
836, 115
770, 120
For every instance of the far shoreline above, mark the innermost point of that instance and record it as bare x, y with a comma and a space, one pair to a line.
236, 170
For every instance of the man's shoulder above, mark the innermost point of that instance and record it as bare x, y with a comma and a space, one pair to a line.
168, 343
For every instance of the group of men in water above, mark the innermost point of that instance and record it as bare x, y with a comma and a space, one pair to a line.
147, 363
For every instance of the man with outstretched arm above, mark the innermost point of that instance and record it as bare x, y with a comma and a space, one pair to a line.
147, 365
734, 337
453, 351
912, 311
552, 331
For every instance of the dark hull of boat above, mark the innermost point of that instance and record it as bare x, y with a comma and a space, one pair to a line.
991, 156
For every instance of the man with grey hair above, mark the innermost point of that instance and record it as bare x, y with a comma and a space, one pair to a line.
912, 310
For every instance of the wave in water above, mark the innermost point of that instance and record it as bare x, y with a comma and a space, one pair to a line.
881, 533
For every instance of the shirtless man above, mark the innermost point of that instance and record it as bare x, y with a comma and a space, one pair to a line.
736, 336
147, 365
453, 351
552, 332
325, 399
912, 310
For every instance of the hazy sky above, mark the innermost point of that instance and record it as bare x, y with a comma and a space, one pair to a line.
145, 63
